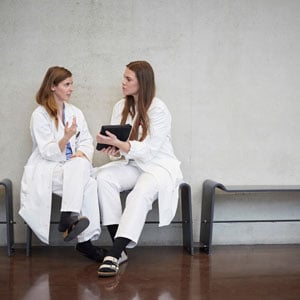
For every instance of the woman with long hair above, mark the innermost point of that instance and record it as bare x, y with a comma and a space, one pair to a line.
147, 166
60, 163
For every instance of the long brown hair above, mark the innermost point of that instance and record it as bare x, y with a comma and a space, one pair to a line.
145, 76
44, 96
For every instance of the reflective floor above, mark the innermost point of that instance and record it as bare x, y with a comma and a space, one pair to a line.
231, 272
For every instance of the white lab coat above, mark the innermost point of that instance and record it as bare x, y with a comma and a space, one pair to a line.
36, 185
155, 155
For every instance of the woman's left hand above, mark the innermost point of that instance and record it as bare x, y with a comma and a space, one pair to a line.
109, 139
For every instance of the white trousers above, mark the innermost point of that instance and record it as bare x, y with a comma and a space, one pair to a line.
116, 177
72, 181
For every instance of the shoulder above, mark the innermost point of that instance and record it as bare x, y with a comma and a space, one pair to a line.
40, 112
158, 105
120, 104
118, 107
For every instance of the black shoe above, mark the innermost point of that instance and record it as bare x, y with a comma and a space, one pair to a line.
92, 252
75, 229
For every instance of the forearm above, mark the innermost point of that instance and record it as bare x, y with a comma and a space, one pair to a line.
123, 146
63, 143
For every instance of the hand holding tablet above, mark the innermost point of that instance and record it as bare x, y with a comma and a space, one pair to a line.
122, 132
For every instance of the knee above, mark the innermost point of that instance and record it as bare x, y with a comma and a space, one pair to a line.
104, 178
80, 163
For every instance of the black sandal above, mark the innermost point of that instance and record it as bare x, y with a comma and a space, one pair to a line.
94, 253
109, 267
75, 229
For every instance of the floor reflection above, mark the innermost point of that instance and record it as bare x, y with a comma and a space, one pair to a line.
39, 289
154, 273
62, 274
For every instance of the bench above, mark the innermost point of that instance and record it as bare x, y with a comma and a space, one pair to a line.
7, 184
186, 221
208, 201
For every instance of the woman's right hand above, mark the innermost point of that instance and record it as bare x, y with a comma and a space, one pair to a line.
114, 142
111, 151
70, 131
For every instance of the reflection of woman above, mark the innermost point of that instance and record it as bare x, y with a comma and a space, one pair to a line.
150, 167
61, 163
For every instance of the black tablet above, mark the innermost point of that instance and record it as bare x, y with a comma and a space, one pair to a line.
121, 131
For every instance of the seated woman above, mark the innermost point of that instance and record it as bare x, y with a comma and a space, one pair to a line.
149, 169
60, 163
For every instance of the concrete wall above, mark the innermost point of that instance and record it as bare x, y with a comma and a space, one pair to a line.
228, 70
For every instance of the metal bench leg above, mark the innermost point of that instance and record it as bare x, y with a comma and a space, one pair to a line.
29, 230
207, 214
187, 219
9, 215
28, 241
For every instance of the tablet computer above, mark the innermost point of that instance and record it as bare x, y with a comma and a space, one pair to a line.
121, 131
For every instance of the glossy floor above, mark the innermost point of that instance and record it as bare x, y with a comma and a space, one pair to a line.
231, 272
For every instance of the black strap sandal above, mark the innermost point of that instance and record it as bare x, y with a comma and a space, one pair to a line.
75, 229
109, 267
94, 253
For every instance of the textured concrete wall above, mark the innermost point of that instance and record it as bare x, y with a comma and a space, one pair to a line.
228, 70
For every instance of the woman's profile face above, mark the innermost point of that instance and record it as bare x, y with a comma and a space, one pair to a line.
63, 91
130, 85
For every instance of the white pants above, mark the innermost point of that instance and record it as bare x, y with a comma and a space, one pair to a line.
78, 190
115, 178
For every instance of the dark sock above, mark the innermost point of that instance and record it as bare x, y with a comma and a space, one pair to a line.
112, 229
65, 221
119, 245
